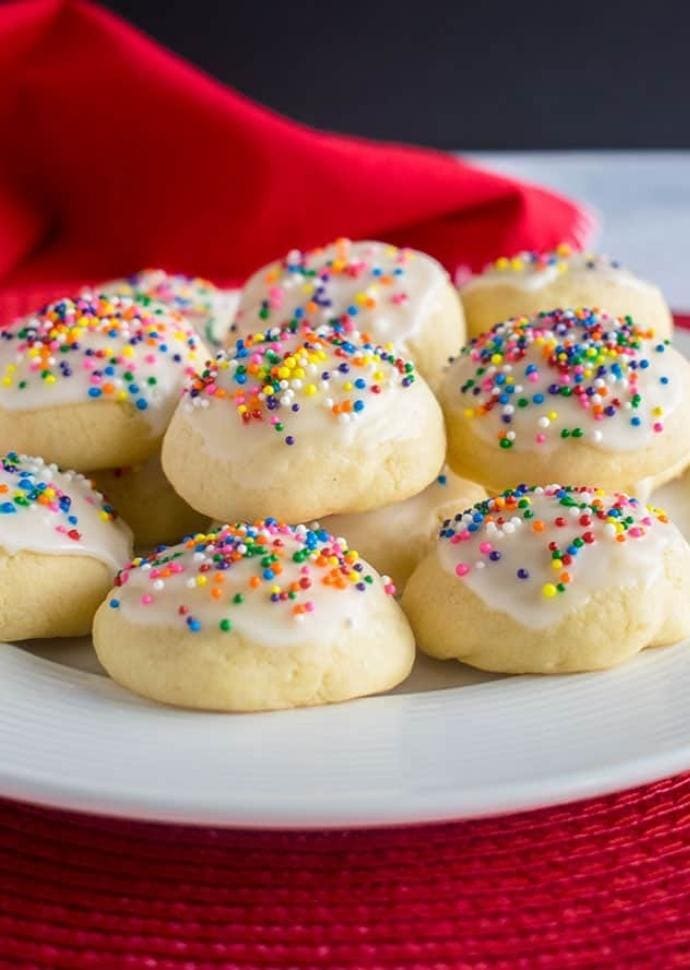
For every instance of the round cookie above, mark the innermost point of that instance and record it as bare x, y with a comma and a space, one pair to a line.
61, 544
148, 503
253, 617
532, 282
395, 538
575, 396
91, 383
551, 580
209, 309
394, 296
300, 424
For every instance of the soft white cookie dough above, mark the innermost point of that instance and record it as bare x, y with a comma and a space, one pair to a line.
208, 308
575, 396
61, 545
91, 383
551, 580
395, 538
398, 296
300, 424
530, 282
253, 617
148, 503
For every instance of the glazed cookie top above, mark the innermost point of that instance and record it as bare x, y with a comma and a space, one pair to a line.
296, 378
568, 374
273, 583
96, 348
539, 553
370, 287
208, 308
531, 270
45, 510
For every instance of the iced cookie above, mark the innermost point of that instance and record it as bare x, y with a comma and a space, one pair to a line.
550, 580
148, 503
208, 308
394, 539
530, 282
91, 383
575, 396
300, 424
61, 544
253, 617
392, 295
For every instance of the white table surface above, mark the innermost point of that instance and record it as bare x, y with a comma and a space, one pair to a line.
642, 200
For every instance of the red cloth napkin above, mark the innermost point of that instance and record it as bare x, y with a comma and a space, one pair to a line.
117, 155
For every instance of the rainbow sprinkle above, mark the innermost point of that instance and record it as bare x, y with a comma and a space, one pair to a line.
186, 294
111, 345
562, 259
580, 519
539, 364
32, 483
269, 377
200, 572
378, 271
192, 297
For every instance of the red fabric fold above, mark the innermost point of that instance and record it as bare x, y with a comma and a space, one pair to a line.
117, 154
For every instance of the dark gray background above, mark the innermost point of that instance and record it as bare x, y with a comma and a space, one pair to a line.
477, 75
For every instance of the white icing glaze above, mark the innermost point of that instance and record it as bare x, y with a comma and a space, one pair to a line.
217, 326
44, 510
601, 562
535, 271
98, 348
174, 587
524, 355
338, 385
208, 308
364, 286
378, 425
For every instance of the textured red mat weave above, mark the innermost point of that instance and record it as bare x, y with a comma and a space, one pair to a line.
602, 883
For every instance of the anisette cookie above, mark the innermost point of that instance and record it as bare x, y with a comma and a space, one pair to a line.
208, 308
395, 538
301, 423
91, 382
61, 544
530, 282
253, 617
551, 580
148, 503
576, 396
393, 296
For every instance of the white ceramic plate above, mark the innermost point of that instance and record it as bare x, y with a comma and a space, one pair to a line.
450, 743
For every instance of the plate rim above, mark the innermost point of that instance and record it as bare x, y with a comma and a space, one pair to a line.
419, 808
560, 790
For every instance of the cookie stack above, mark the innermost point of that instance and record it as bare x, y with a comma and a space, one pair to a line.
349, 445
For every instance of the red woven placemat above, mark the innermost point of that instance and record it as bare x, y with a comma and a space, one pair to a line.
599, 883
